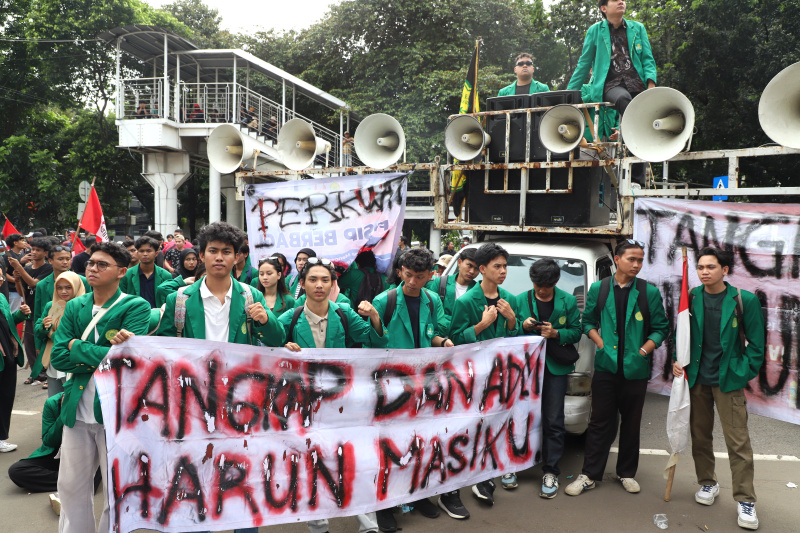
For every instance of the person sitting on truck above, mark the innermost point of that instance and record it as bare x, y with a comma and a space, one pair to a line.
525, 84
624, 317
486, 311
552, 313
451, 288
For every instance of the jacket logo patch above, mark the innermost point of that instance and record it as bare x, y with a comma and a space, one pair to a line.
639, 316
110, 334
244, 328
735, 322
562, 320
638, 47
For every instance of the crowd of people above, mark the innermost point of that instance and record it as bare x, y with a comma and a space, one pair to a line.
77, 310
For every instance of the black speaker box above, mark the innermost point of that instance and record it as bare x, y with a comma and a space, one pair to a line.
496, 127
587, 206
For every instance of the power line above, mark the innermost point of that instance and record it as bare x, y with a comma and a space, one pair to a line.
23, 40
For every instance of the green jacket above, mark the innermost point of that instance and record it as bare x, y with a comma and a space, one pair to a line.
359, 330
738, 364
340, 299
566, 319
44, 294
536, 87
449, 301
269, 334
248, 270
283, 303
596, 56
130, 283
469, 311
12, 320
350, 281
132, 313
52, 427
400, 334
168, 287
634, 364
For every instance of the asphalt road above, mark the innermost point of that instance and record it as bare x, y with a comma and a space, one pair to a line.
608, 508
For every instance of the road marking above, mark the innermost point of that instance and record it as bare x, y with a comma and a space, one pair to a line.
26, 413
718, 455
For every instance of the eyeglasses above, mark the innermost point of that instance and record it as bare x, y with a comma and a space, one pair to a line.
271, 258
319, 261
640, 244
101, 266
524, 63
56, 249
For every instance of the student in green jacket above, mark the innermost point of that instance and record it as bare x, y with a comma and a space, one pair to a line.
622, 366
416, 322
451, 288
142, 279
11, 355
525, 83
487, 311
720, 367
272, 285
39, 471
363, 272
242, 270
557, 312
91, 324
293, 281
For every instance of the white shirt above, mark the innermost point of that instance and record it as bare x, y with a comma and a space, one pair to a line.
461, 290
217, 314
85, 412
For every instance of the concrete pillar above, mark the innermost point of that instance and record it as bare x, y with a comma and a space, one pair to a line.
214, 195
234, 209
165, 172
435, 242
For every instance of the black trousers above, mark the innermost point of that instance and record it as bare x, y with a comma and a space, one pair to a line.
36, 474
612, 394
620, 97
8, 389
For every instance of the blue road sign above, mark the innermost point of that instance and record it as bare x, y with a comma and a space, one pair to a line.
720, 183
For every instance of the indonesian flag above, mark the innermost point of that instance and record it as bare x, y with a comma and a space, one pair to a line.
8, 229
679, 406
93, 220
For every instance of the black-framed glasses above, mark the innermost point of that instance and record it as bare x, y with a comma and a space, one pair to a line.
319, 261
640, 244
101, 266
524, 63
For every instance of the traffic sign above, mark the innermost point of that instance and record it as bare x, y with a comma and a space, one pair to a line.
84, 188
721, 184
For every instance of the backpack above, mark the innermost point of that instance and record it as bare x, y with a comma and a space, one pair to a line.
644, 305
739, 311
443, 287
180, 310
296, 317
391, 305
370, 287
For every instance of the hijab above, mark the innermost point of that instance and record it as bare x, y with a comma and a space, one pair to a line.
182, 271
57, 308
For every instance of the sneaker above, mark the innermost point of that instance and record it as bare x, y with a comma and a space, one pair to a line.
629, 484
579, 485
484, 491
509, 481
549, 486
747, 515
707, 494
7, 446
426, 508
55, 503
386, 521
450, 502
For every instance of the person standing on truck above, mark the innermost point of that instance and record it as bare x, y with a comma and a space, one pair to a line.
486, 311
525, 84
552, 313
451, 288
727, 351
624, 317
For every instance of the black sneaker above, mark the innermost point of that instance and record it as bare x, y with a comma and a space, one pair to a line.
484, 491
450, 502
426, 508
386, 521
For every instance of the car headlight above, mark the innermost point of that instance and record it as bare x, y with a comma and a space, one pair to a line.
579, 384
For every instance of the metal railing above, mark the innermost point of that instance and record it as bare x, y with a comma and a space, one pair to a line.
142, 98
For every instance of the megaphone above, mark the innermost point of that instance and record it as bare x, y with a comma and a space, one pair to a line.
658, 124
779, 108
379, 141
464, 138
561, 128
298, 145
228, 148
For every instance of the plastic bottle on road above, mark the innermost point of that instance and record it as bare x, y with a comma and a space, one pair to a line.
660, 520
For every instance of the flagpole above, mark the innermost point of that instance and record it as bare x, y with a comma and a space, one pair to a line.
671, 477
78, 229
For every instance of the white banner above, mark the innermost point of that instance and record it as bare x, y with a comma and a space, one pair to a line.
336, 217
765, 242
204, 435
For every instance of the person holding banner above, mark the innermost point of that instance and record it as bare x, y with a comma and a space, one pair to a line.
487, 311
452, 288
413, 317
90, 325
624, 317
552, 313
727, 351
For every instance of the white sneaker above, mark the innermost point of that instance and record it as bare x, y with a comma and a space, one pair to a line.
579, 485
7, 446
55, 503
629, 484
707, 494
747, 515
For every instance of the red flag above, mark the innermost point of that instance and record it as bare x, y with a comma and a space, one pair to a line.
9, 229
93, 220
78, 246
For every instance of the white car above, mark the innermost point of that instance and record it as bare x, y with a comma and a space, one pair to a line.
582, 263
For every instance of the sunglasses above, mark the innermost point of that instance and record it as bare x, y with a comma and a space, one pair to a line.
524, 63
56, 249
640, 244
271, 258
319, 261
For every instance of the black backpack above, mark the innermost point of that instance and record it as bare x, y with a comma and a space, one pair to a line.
296, 317
644, 305
370, 287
